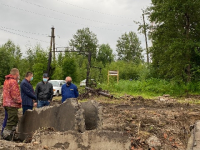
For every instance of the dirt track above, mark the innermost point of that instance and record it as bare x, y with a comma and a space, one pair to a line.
169, 121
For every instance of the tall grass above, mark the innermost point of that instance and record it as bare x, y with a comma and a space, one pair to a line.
152, 87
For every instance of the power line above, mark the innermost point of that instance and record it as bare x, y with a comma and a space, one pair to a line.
74, 15
24, 31
95, 10
56, 18
23, 35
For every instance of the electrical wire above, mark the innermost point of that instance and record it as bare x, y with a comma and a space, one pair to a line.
56, 18
24, 31
27, 36
94, 10
23, 35
74, 15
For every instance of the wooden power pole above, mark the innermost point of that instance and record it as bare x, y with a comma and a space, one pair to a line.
145, 34
52, 43
53, 36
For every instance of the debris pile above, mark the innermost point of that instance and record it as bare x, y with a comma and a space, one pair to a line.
166, 98
90, 92
131, 98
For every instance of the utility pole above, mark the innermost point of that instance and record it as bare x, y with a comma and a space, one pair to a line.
145, 34
50, 51
53, 36
88, 68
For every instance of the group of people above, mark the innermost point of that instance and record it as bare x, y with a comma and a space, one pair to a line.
15, 97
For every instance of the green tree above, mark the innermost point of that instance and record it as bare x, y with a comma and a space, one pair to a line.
57, 73
82, 63
40, 63
105, 54
5, 64
60, 59
85, 40
10, 57
69, 68
175, 37
128, 48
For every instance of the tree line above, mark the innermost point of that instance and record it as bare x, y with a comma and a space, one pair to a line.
175, 51
73, 64
175, 39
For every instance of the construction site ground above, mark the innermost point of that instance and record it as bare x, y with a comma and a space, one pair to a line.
166, 118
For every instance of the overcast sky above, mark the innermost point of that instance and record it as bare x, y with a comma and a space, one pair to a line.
28, 22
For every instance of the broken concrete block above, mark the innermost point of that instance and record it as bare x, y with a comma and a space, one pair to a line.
93, 115
63, 117
66, 116
194, 140
89, 140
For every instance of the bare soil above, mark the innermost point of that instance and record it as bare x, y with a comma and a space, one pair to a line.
170, 121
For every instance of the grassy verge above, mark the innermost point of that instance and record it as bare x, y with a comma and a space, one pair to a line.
151, 88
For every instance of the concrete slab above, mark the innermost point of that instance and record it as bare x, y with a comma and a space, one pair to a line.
89, 140
63, 117
194, 140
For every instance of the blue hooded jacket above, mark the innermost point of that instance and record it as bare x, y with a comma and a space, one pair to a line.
70, 91
27, 93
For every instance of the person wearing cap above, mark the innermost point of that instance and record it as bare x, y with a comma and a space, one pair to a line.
69, 90
27, 93
44, 92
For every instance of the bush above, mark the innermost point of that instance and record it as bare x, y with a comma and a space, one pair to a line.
151, 87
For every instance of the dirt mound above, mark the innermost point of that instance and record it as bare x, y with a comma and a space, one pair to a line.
147, 122
92, 93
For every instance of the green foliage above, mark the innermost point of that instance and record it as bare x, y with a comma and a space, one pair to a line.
82, 63
128, 48
151, 87
10, 57
4, 65
105, 54
40, 63
57, 75
175, 38
175, 55
69, 68
84, 40
127, 70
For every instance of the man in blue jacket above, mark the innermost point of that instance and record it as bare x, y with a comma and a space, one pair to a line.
69, 90
27, 93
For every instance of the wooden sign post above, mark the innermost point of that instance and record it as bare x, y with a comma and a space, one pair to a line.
113, 73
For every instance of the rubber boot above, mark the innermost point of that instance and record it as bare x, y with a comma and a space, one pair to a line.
7, 134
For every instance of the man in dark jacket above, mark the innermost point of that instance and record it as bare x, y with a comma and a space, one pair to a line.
27, 93
44, 92
69, 90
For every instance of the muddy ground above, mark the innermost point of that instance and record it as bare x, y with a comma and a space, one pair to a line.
169, 120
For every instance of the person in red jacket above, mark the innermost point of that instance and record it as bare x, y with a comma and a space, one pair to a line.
11, 102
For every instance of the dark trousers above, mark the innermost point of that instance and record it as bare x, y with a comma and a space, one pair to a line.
4, 121
12, 117
42, 103
26, 107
